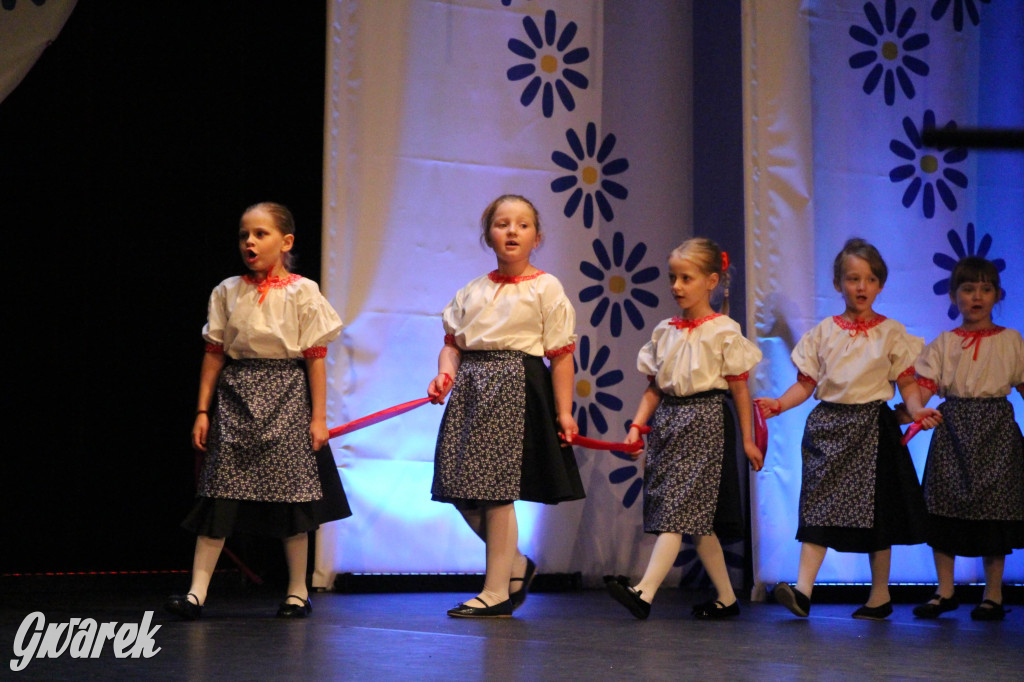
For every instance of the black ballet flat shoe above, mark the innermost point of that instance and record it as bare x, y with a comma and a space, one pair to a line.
929, 610
993, 611
517, 598
183, 607
713, 610
618, 587
290, 610
793, 599
880, 612
501, 610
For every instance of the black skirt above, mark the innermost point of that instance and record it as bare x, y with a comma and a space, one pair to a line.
220, 518
498, 440
691, 479
259, 452
899, 515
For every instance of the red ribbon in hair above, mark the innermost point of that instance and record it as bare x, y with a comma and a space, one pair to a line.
725, 261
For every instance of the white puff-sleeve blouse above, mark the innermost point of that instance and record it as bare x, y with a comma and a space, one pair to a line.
691, 356
973, 364
853, 363
281, 318
528, 313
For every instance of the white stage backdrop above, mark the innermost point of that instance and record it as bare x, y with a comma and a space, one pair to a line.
435, 108
837, 93
27, 27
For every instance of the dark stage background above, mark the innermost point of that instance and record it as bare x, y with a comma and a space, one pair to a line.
126, 158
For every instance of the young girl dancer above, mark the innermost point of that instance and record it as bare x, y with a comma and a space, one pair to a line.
859, 490
261, 416
974, 477
691, 482
498, 440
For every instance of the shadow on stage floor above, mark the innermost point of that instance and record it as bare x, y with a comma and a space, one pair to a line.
581, 635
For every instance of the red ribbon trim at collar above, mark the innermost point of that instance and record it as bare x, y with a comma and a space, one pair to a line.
973, 338
684, 323
858, 326
499, 278
271, 282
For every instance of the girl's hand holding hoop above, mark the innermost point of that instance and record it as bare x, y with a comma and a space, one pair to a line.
439, 388
769, 407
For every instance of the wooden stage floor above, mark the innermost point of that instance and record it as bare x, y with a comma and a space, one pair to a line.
582, 636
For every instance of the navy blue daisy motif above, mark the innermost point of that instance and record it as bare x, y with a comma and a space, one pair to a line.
9, 5
589, 175
618, 278
592, 378
889, 51
629, 475
928, 170
550, 62
694, 575
959, 6
962, 250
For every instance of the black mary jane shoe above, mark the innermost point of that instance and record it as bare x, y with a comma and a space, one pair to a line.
993, 611
793, 599
181, 606
929, 610
713, 610
880, 612
500, 610
289, 610
518, 597
618, 587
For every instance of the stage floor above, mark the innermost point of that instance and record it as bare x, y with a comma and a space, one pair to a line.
583, 636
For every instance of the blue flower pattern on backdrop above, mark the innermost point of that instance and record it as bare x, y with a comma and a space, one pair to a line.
928, 169
627, 474
588, 169
588, 398
620, 271
889, 51
547, 54
940, 7
694, 575
947, 262
9, 5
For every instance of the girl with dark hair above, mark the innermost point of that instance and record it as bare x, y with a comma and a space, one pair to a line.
974, 476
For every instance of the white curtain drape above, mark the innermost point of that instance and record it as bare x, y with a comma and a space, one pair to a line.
837, 93
26, 28
434, 109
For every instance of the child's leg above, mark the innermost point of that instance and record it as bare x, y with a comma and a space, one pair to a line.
994, 566
944, 564
476, 521
296, 552
811, 556
501, 537
880, 562
709, 549
203, 564
666, 549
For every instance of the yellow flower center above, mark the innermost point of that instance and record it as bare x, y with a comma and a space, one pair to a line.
929, 164
583, 388
548, 64
890, 51
617, 284
589, 175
